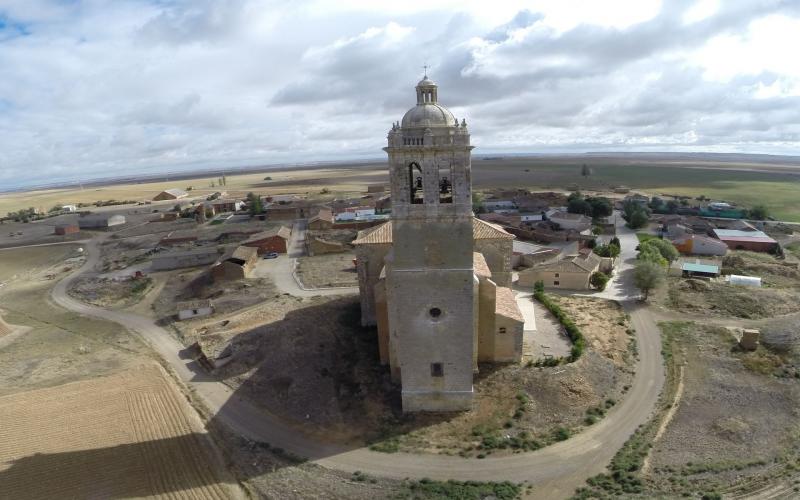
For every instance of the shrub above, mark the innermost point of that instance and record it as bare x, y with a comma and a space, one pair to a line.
599, 280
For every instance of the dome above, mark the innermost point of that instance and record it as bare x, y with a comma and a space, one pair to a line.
428, 115
426, 82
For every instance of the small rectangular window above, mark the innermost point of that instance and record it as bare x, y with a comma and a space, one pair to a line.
437, 370
502, 329
556, 275
556, 283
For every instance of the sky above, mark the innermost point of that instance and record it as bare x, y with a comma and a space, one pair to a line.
110, 88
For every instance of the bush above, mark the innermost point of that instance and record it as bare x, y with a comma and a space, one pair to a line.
599, 280
574, 333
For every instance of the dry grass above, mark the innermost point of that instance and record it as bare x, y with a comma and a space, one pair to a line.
326, 271
126, 435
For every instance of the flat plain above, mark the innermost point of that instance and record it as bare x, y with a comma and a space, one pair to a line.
748, 180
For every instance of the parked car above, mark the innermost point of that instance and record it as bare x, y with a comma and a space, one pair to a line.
271, 255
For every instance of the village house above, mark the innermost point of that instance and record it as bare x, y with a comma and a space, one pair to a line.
323, 220
383, 205
194, 309
237, 264
171, 194
754, 241
101, 221
221, 206
178, 237
355, 214
638, 199
571, 273
566, 220
698, 244
178, 260
274, 240
500, 206
316, 245
65, 229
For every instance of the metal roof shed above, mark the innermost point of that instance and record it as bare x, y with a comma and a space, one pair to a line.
692, 269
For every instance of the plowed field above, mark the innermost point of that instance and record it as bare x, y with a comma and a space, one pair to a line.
131, 434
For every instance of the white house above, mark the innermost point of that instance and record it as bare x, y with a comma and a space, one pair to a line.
69, 208
567, 220
530, 217
498, 205
195, 309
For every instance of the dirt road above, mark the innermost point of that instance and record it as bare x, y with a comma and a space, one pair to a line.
554, 471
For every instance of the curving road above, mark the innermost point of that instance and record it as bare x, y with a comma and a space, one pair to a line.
554, 471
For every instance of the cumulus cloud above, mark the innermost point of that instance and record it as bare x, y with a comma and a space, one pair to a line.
94, 88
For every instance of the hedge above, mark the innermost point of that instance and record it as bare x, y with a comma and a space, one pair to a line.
574, 333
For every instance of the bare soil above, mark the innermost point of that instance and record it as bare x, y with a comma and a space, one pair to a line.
736, 424
227, 296
327, 271
309, 362
779, 295
110, 292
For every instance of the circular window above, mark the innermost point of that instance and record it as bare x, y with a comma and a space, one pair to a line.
435, 312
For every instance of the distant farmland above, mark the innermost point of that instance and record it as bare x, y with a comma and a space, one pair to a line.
776, 187
742, 179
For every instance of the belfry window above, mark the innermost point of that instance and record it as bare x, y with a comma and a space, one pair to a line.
445, 184
417, 193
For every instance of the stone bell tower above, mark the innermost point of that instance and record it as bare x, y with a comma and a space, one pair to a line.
429, 273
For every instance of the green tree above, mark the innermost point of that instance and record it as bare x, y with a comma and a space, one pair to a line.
656, 202
759, 212
672, 206
599, 280
610, 250
254, 204
601, 207
638, 219
635, 215
649, 253
647, 276
664, 247
579, 206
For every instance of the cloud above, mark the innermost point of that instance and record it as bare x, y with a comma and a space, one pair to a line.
93, 88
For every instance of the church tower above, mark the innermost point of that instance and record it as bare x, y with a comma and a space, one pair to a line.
430, 284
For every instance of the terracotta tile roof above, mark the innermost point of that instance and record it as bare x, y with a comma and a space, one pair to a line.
245, 253
506, 304
479, 265
194, 304
376, 235
584, 263
481, 230
283, 231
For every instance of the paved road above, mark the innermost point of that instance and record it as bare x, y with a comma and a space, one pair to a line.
281, 269
554, 471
